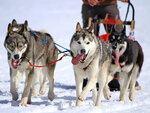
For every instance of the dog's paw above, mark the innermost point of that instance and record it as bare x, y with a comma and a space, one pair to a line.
81, 99
131, 97
78, 102
51, 96
97, 103
107, 94
15, 96
42, 91
131, 94
43, 88
23, 102
122, 100
107, 97
34, 94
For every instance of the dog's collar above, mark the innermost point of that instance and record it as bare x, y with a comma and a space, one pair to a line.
121, 66
85, 68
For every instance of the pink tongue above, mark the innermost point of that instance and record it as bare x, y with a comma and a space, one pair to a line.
14, 63
76, 59
117, 55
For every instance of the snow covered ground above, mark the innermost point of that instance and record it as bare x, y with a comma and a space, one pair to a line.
59, 18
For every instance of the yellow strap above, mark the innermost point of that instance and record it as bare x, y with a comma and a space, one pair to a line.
90, 22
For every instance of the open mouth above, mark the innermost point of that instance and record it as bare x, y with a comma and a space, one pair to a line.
82, 60
117, 55
79, 58
14, 63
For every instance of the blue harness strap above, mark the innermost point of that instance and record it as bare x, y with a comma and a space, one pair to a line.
33, 33
44, 41
62, 47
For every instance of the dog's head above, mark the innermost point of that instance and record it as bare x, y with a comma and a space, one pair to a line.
16, 42
82, 44
117, 38
118, 42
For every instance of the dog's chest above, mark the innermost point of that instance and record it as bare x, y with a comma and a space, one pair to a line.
126, 68
88, 70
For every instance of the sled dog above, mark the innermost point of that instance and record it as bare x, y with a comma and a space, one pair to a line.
23, 46
128, 60
91, 58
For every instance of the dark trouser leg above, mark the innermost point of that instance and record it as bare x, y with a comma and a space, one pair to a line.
112, 11
86, 13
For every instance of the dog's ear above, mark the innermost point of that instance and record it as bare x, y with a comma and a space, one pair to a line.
78, 27
14, 22
26, 25
10, 29
113, 29
124, 30
91, 28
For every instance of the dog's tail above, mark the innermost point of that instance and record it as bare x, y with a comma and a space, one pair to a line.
140, 58
43, 31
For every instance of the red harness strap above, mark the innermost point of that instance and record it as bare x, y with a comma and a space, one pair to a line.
47, 64
111, 21
116, 78
105, 37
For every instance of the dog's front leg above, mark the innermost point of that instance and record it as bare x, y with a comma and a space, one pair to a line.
102, 79
43, 82
50, 71
102, 82
94, 94
106, 89
90, 85
79, 84
134, 75
35, 82
15, 77
124, 85
27, 87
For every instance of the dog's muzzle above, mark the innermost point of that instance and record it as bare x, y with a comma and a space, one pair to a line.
16, 61
79, 58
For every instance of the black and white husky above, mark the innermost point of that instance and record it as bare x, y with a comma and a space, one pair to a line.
91, 59
127, 59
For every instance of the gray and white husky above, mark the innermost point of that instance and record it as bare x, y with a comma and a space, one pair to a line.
23, 46
91, 59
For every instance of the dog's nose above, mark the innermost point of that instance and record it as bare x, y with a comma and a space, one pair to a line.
16, 56
82, 51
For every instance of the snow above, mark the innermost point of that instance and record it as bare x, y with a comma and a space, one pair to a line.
59, 18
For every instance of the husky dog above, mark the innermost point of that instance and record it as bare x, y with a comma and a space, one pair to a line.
91, 59
24, 46
128, 60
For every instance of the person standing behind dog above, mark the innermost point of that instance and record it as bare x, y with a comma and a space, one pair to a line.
99, 9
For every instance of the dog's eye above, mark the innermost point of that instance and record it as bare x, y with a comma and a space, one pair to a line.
79, 42
119, 41
88, 43
111, 40
11, 46
20, 45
